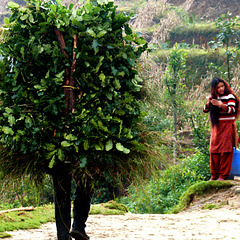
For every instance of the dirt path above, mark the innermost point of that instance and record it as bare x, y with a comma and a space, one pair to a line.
193, 224
204, 224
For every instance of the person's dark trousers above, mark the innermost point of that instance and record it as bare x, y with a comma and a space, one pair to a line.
81, 206
62, 179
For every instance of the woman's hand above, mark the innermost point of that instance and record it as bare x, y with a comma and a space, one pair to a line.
209, 101
218, 103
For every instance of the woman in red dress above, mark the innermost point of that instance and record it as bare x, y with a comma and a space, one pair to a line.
224, 108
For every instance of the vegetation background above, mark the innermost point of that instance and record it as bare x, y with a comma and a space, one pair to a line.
204, 36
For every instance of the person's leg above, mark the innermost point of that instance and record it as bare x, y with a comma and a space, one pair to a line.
62, 189
81, 207
225, 164
214, 165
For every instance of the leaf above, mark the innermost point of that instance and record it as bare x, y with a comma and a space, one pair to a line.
58, 76
117, 83
124, 55
7, 130
71, 5
102, 127
122, 74
86, 145
102, 77
114, 70
24, 17
31, 19
88, 7
53, 7
94, 44
91, 33
22, 51
99, 146
126, 150
101, 33
65, 144
87, 17
60, 154
83, 162
6, 20
13, 5
50, 154
71, 137
76, 148
49, 146
119, 147
141, 40
76, 22
109, 145
52, 162
28, 122
109, 95
11, 120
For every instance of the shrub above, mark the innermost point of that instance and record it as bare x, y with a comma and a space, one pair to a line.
162, 192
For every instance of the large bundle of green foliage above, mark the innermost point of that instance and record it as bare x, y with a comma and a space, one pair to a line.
69, 90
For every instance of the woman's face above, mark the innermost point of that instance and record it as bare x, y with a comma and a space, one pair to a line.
220, 88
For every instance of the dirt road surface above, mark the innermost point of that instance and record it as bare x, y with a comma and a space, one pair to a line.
204, 224
223, 222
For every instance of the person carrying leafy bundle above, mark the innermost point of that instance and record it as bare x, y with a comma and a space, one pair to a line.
69, 93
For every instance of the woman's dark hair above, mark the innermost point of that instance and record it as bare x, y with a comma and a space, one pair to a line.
214, 110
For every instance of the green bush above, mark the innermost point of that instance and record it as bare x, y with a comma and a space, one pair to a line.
162, 193
22, 192
200, 130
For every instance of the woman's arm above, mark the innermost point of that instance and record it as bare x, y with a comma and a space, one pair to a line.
227, 104
218, 103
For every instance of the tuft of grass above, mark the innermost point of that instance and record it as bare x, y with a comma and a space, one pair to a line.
109, 208
198, 189
210, 206
4, 235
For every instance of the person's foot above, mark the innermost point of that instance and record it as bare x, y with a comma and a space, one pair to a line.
79, 234
212, 179
220, 179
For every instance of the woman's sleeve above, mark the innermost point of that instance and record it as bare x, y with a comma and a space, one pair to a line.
231, 105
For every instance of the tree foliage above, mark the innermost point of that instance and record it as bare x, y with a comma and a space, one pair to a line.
228, 27
70, 89
173, 79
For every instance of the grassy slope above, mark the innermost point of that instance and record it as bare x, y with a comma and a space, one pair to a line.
199, 189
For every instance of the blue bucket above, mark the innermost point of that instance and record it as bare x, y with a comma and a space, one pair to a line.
235, 169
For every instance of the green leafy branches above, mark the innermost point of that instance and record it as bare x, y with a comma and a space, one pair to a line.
173, 79
70, 89
228, 27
